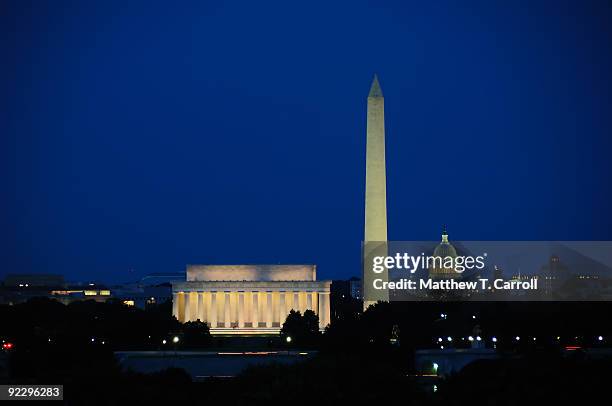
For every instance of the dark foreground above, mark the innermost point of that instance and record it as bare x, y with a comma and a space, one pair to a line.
360, 359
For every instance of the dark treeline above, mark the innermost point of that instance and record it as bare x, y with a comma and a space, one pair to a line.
56, 342
363, 356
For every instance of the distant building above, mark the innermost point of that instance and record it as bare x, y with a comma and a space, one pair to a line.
19, 288
552, 275
156, 279
75, 293
143, 296
442, 251
150, 290
249, 299
356, 288
33, 280
343, 303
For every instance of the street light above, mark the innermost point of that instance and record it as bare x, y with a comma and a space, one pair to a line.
288, 339
175, 339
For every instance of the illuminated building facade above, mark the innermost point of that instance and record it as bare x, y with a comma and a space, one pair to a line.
444, 250
249, 299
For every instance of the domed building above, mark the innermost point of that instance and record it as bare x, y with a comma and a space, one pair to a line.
443, 250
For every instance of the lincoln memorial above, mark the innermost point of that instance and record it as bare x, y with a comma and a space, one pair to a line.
249, 299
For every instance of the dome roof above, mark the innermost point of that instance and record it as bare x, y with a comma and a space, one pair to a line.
445, 248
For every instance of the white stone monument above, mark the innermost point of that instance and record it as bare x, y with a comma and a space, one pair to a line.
249, 299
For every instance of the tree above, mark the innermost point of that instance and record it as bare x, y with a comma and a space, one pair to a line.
301, 330
196, 334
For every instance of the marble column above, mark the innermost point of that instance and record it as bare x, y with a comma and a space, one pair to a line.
296, 301
282, 308
269, 310
186, 304
241, 309
323, 309
255, 317
193, 305
227, 307
207, 308
309, 301
233, 308
213, 310
201, 307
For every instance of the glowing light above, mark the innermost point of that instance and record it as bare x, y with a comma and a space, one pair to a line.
494, 339
470, 338
288, 339
473, 316
439, 339
517, 338
435, 367
449, 339
600, 338
164, 341
7, 346
175, 339
478, 338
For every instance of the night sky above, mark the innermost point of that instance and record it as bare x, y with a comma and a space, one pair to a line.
137, 137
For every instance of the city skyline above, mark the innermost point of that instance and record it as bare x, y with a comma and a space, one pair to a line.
147, 141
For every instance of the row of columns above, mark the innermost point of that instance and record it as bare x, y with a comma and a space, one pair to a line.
247, 309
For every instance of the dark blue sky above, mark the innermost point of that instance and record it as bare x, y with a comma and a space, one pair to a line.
149, 135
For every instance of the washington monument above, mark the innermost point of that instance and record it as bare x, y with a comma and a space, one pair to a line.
375, 238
